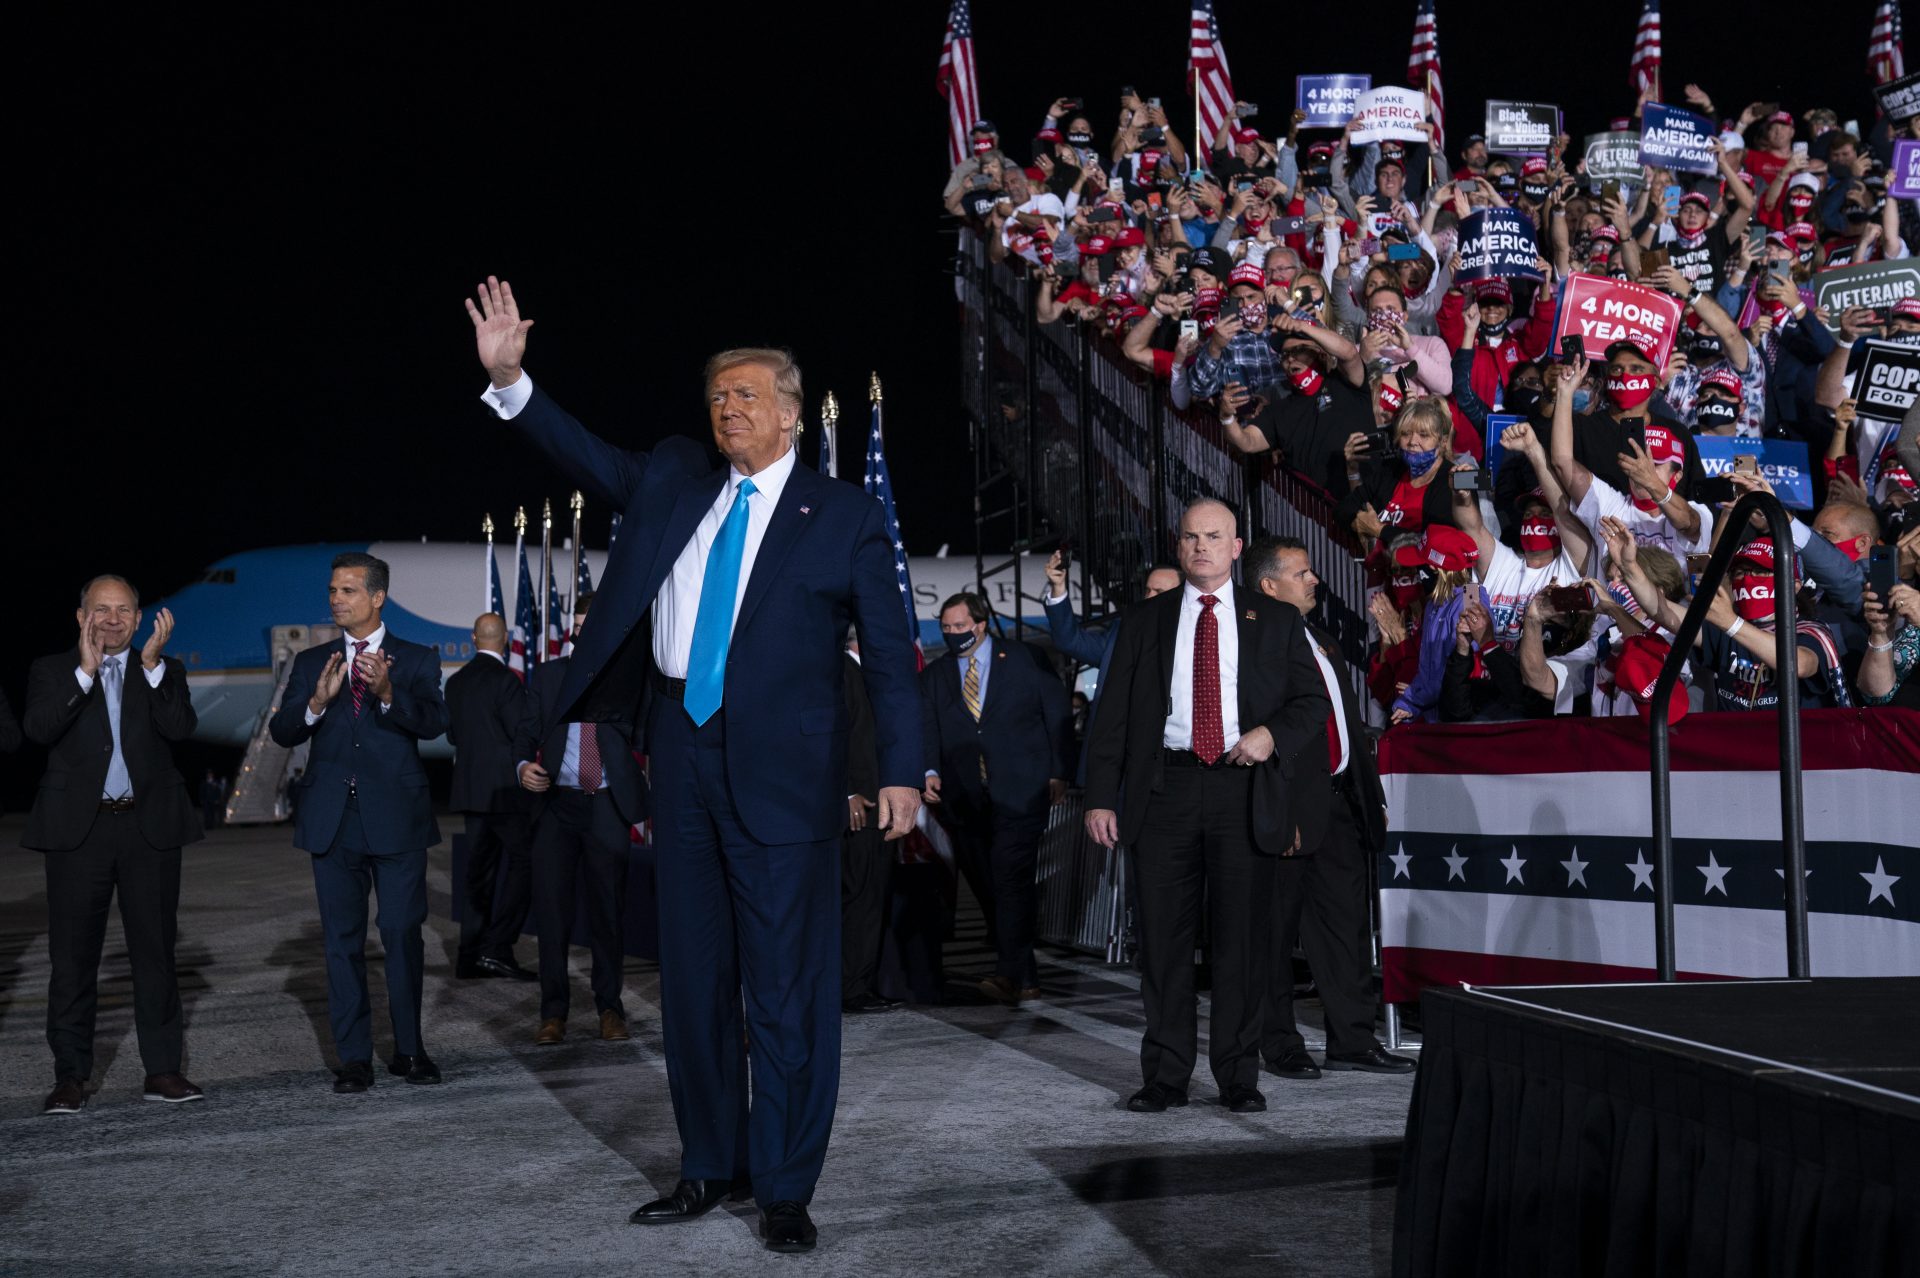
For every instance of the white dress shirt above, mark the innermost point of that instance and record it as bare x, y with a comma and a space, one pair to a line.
1179, 729
373, 642
678, 603
1339, 706
132, 659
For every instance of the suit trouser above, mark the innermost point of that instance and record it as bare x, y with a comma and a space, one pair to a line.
1196, 840
341, 878
579, 840
497, 899
80, 889
866, 873
741, 919
1321, 901
1005, 845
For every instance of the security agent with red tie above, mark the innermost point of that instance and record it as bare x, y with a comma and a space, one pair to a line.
362, 810
1320, 894
588, 794
111, 814
1214, 692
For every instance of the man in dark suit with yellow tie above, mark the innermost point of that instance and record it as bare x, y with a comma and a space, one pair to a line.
1212, 690
111, 815
588, 793
1320, 894
999, 732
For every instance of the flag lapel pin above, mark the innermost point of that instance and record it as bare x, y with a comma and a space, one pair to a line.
1250, 616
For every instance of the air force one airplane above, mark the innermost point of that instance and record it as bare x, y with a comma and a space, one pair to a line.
225, 622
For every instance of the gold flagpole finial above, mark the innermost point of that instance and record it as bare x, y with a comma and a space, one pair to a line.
577, 503
486, 525
520, 520
873, 388
546, 512
830, 410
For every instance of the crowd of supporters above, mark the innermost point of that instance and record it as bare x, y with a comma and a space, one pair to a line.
1305, 290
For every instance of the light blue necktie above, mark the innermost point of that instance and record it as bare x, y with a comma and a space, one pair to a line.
119, 785
713, 623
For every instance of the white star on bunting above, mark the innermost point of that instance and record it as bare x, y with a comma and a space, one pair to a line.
1716, 875
1400, 862
1642, 872
1576, 868
1880, 882
1515, 865
1456, 865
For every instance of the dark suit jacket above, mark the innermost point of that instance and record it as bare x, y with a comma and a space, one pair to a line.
542, 738
1025, 729
485, 703
827, 558
1089, 649
379, 751
1279, 689
863, 766
1312, 792
73, 726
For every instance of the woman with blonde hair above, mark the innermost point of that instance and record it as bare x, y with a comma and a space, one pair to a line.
1407, 490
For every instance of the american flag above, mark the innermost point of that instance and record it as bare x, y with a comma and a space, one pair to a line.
1646, 49
613, 534
493, 583
829, 446
582, 585
1423, 70
521, 639
956, 81
557, 620
879, 484
1886, 56
1207, 75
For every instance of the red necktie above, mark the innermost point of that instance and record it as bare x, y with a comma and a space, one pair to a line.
590, 773
355, 682
1333, 744
1209, 733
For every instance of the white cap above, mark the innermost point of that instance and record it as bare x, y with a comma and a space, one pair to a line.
1807, 180
1733, 141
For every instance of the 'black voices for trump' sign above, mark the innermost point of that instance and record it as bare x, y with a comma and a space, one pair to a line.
1677, 140
1497, 243
1521, 128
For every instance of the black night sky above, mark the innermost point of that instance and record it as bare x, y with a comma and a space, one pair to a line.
241, 244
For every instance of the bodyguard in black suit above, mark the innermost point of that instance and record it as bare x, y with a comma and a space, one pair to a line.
366, 701
485, 703
588, 792
1320, 894
866, 859
1212, 691
112, 812
999, 733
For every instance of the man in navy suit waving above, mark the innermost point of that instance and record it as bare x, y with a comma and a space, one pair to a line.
365, 702
730, 591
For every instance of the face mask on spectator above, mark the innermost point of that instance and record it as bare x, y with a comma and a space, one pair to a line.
1753, 598
1404, 589
1390, 399
1524, 399
1716, 413
1307, 381
1384, 319
1582, 400
1419, 461
1538, 533
958, 644
1630, 390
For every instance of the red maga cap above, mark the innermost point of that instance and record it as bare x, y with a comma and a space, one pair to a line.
1440, 546
1636, 672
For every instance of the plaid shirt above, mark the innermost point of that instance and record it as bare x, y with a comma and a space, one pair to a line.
1249, 359
1684, 390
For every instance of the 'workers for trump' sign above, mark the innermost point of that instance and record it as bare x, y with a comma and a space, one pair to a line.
1328, 99
1390, 113
1677, 140
1497, 242
1903, 178
1887, 381
1522, 128
1601, 312
1613, 157
1782, 461
1875, 285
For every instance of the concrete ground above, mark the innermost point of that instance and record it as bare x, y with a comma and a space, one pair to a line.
971, 1139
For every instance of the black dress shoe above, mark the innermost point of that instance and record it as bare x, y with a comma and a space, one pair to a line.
786, 1227
868, 1003
689, 1200
69, 1096
506, 969
1242, 1099
420, 1069
1294, 1063
1156, 1098
1374, 1060
470, 970
353, 1077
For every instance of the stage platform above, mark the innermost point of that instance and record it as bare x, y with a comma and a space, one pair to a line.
1740, 1128
971, 1139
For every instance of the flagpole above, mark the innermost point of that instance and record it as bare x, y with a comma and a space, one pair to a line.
519, 557
486, 526
544, 585
830, 435
873, 394
579, 553
1433, 140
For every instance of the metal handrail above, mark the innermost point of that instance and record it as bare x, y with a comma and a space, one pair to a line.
1786, 675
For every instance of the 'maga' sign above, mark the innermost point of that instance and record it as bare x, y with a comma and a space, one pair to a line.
1497, 243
